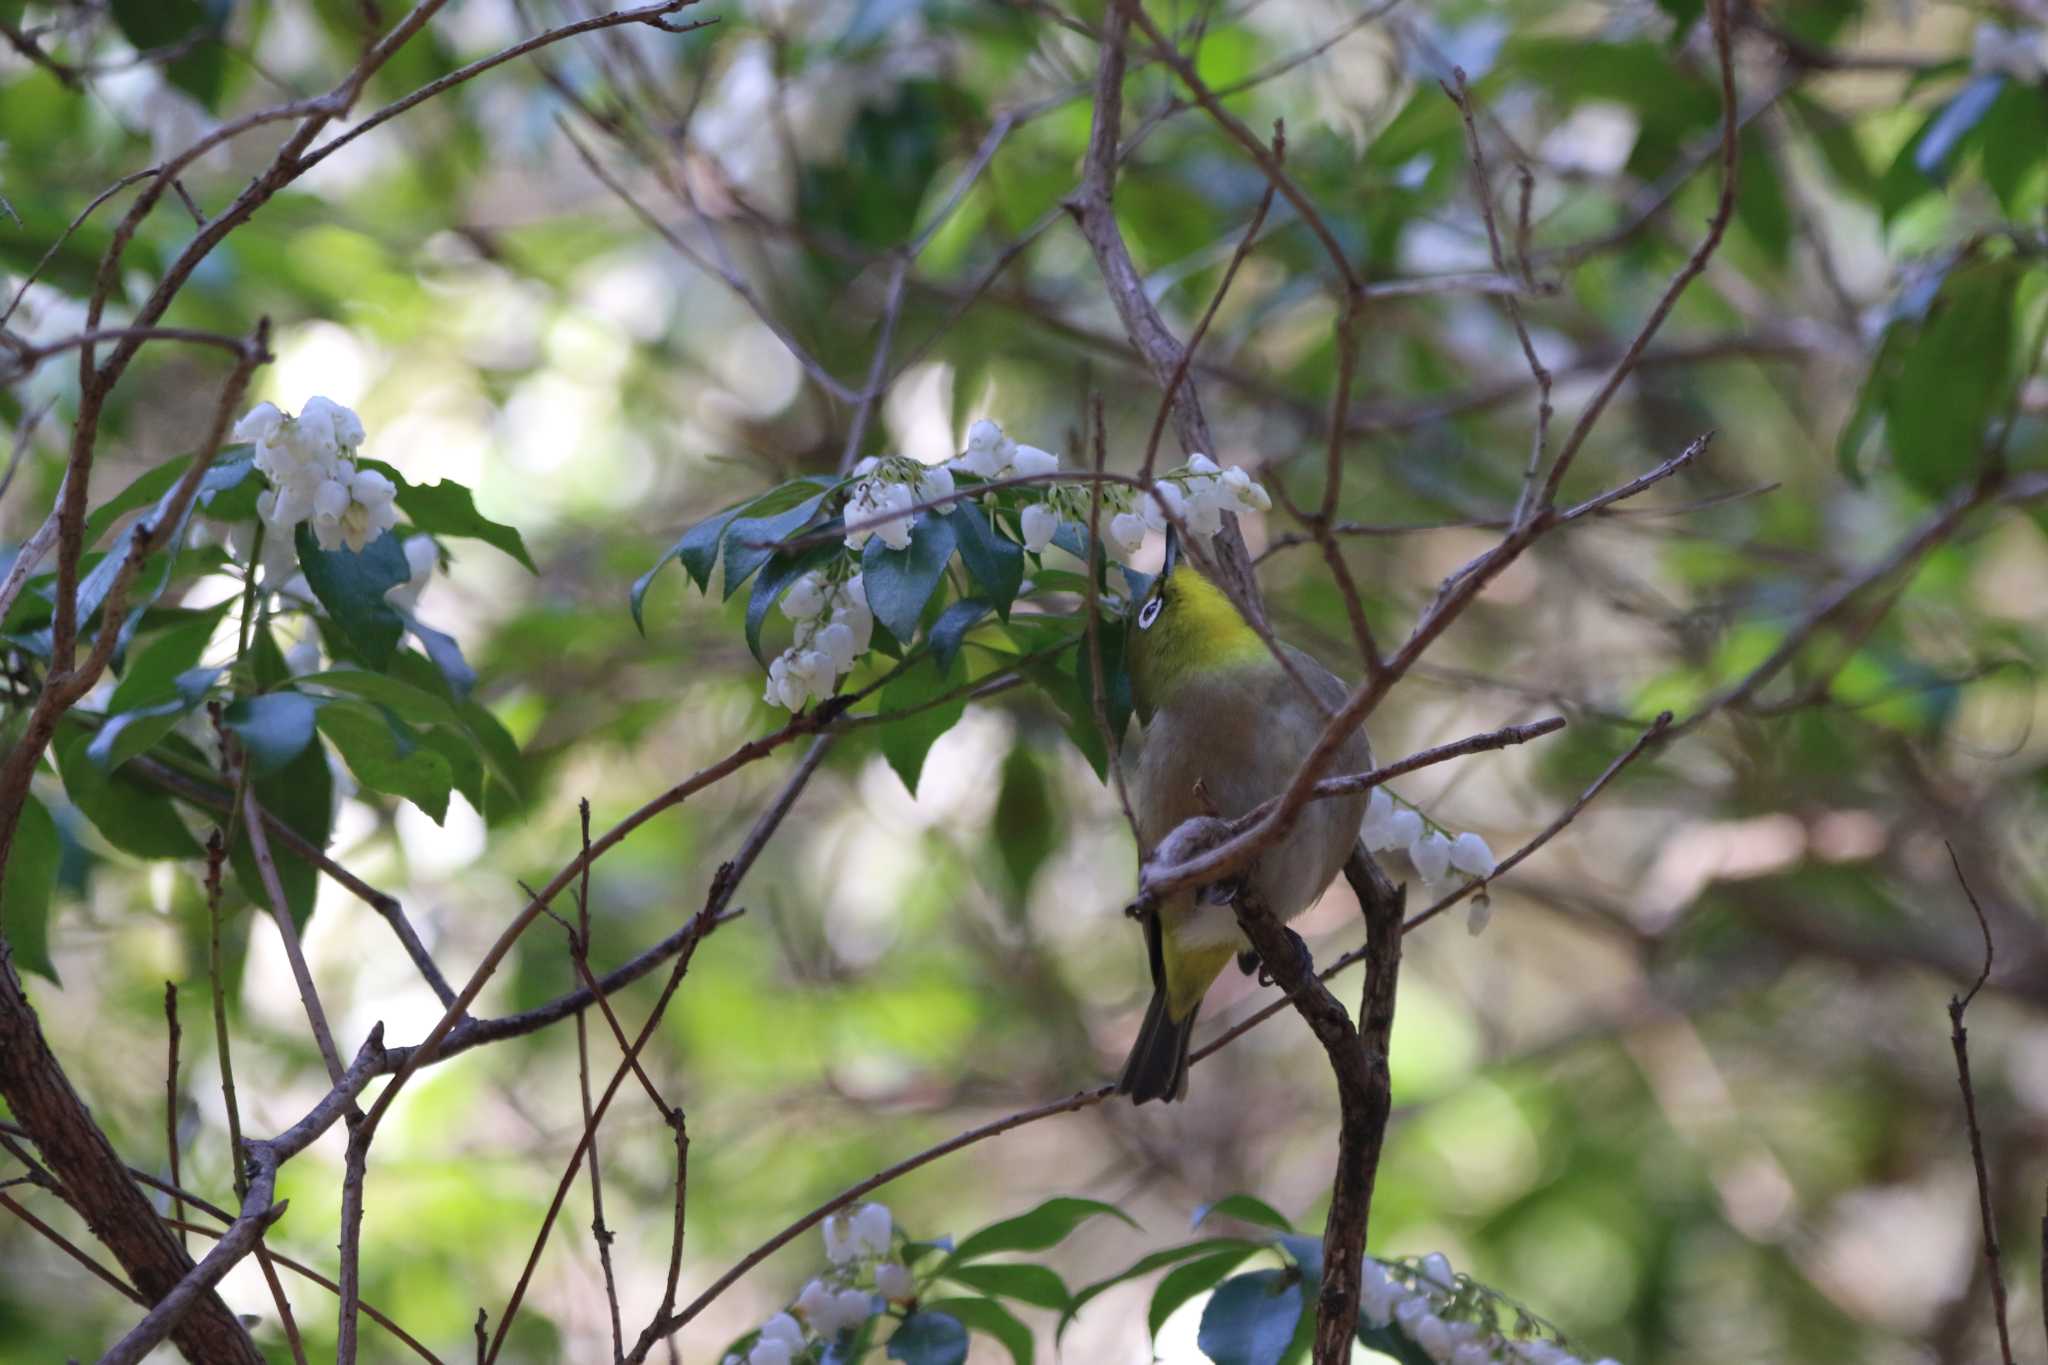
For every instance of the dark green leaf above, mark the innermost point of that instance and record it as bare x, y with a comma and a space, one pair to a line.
750, 540
136, 729
415, 704
952, 627
385, 758
152, 675
1953, 379
192, 29
131, 815
2013, 142
1251, 1318
1187, 1280
1145, 1265
1042, 1227
352, 585
1246, 1209
1033, 1284
900, 582
1116, 676
448, 508
928, 1338
1028, 827
991, 1319
905, 742
872, 191
993, 560
273, 728
266, 660
302, 795
697, 552
25, 889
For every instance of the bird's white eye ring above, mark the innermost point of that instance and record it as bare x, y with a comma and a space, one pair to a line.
1150, 613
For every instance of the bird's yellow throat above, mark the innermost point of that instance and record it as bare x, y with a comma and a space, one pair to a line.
1198, 630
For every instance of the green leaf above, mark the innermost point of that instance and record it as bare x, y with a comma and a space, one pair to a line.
1057, 681
991, 1319
386, 758
1028, 827
871, 192
1116, 677
929, 1338
1042, 1227
1032, 1284
415, 704
1952, 380
2015, 133
136, 729
132, 816
302, 795
900, 582
750, 540
993, 560
273, 727
352, 585
952, 627
152, 675
1187, 1280
697, 552
1145, 1265
1246, 1209
448, 508
193, 28
25, 889
905, 742
1251, 1318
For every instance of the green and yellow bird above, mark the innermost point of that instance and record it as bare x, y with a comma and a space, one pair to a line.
1225, 728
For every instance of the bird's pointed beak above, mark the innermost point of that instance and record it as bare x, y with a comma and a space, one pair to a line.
1172, 560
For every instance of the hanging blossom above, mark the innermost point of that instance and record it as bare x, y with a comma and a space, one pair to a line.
889, 487
833, 629
310, 461
1199, 493
1449, 1316
1434, 853
991, 455
866, 1272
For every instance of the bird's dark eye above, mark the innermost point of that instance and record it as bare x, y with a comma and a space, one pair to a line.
1150, 613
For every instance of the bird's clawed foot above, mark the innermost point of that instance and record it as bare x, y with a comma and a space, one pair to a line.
1248, 961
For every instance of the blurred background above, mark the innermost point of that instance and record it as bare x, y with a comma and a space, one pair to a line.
1690, 1096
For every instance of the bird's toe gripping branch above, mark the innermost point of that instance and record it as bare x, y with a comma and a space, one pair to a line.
1189, 839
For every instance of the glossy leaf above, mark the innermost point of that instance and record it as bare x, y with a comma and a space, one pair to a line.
900, 582
25, 889
951, 629
990, 1319
1250, 1320
302, 795
273, 728
750, 540
1246, 1209
1187, 1280
385, 757
448, 508
1042, 1227
993, 560
130, 814
929, 1338
1026, 1283
905, 742
352, 585
136, 729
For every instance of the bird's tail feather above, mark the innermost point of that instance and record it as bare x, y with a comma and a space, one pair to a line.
1158, 1065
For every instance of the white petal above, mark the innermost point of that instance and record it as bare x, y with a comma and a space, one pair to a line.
1405, 827
330, 499
936, 483
893, 1282
770, 1353
1039, 524
1469, 854
371, 488
785, 1329
1479, 916
1030, 460
1431, 855
984, 436
1202, 464
1436, 1268
259, 423
871, 1228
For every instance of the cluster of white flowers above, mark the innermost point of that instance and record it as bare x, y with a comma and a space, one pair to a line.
889, 488
1199, 493
310, 463
1428, 1313
1434, 854
833, 628
860, 1245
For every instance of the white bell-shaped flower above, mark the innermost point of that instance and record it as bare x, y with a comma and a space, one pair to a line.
874, 499
936, 482
894, 1282
1404, 827
1163, 498
872, 1227
768, 1352
1039, 524
1432, 1334
1124, 536
1030, 461
805, 598
1470, 855
1431, 855
1436, 1268
1480, 915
